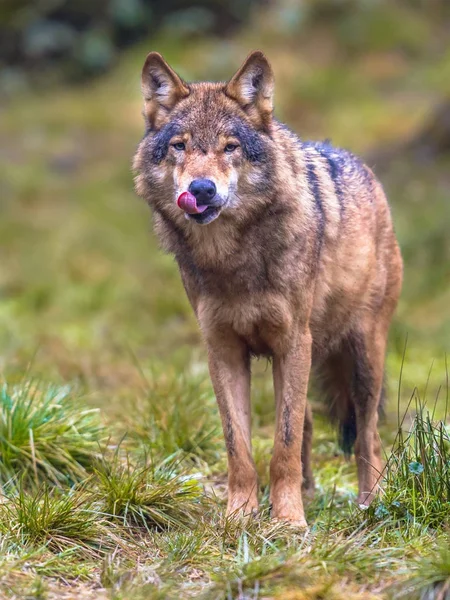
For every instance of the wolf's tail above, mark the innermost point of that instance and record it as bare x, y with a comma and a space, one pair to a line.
334, 379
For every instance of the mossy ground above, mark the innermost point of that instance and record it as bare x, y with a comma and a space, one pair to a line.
90, 307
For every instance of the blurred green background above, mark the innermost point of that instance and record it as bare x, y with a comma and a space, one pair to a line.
85, 295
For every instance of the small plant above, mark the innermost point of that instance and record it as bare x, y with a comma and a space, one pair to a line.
46, 435
148, 496
416, 491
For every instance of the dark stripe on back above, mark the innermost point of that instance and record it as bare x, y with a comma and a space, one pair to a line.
334, 172
314, 187
335, 161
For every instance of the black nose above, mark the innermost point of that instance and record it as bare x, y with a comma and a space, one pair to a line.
203, 189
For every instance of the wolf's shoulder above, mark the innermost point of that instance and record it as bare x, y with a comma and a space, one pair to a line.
340, 161
343, 166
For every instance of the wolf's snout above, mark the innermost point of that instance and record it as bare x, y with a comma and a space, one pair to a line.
204, 190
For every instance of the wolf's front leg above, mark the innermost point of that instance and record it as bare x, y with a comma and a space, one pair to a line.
290, 376
229, 366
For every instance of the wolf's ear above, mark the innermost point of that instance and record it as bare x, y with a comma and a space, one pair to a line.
162, 89
252, 87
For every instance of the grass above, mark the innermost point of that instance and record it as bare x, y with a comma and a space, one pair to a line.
432, 576
133, 508
175, 413
149, 495
417, 479
49, 517
44, 436
112, 463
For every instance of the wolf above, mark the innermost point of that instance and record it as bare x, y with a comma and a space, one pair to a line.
286, 250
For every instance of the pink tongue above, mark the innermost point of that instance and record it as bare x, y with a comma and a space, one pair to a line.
187, 202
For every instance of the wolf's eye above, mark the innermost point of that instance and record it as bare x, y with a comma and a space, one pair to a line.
230, 148
179, 146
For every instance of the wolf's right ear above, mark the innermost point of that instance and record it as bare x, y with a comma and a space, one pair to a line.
252, 87
162, 89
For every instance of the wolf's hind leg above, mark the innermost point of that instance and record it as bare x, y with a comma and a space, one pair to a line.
308, 477
367, 351
352, 379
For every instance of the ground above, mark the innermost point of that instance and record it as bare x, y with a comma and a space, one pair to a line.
113, 465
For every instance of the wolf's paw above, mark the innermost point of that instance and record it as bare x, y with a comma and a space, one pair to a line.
242, 506
287, 505
294, 524
364, 499
290, 515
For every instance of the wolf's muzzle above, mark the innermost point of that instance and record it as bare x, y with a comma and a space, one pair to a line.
204, 191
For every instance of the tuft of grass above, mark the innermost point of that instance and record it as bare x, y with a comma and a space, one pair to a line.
431, 577
176, 413
416, 492
57, 519
188, 549
45, 435
150, 496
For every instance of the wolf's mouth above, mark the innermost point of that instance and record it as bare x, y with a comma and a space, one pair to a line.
208, 215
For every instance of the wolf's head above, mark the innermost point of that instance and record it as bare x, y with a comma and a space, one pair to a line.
209, 139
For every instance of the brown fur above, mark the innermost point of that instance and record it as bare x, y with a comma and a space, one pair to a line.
299, 263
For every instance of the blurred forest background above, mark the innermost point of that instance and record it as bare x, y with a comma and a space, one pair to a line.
83, 286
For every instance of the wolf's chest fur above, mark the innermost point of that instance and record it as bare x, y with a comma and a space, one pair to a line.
262, 320
243, 284
258, 283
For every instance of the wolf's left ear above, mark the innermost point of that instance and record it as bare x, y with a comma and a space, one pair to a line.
162, 89
252, 87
